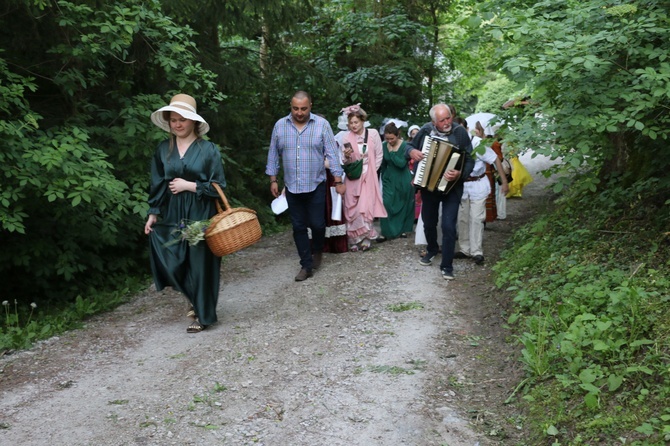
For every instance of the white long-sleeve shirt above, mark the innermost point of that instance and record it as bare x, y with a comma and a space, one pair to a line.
480, 189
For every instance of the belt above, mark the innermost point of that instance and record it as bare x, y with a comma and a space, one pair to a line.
476, 178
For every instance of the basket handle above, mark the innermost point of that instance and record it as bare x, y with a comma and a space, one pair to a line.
223, 198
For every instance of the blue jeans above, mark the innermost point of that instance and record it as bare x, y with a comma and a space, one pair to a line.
308, 210
430, 208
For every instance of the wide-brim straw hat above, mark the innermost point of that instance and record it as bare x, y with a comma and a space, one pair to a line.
184, 105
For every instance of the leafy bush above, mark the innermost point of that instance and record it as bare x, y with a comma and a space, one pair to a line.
75, 159
597, 78
591, 311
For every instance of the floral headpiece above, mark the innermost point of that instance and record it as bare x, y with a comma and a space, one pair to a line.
351, 109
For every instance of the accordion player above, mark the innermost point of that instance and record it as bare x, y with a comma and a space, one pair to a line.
439, 156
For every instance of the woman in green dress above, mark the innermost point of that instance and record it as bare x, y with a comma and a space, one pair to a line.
183, 169
397, 189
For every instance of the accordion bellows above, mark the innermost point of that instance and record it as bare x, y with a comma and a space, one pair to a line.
439, 156
231, 230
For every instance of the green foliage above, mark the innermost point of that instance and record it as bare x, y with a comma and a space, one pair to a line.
495, 93
599, 78
369, 56
14, 333
391, 370
23, 325
463, 67
405, 306
75, 159
591, 306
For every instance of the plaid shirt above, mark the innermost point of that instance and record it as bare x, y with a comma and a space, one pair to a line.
303, 153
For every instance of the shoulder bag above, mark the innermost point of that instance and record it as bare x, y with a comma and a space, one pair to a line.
354, 169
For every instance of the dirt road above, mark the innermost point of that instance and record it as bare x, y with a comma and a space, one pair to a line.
375, 349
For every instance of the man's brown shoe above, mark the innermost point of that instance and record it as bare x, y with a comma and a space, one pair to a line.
316, 260
303, 274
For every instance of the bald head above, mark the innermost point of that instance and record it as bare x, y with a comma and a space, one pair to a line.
300, 94
301, 107
440, 115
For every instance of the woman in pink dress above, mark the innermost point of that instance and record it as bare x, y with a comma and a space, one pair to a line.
363, 200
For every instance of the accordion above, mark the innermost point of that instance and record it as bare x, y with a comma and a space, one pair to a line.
439, 156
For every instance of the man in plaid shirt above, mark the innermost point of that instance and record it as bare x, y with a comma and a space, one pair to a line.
302, 140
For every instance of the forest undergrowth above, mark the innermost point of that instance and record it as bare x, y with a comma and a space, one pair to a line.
591, 308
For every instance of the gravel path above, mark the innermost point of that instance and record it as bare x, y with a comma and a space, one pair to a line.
373, 350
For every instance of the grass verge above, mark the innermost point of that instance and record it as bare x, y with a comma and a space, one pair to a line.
22, 324
591, 311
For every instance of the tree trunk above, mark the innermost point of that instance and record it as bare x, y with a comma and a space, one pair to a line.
433, 55
616, 162
264, 64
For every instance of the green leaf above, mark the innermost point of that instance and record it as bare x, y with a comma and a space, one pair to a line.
587, 376
599, 345
614, 382
640, 368
646, 429
591, 401
475, 21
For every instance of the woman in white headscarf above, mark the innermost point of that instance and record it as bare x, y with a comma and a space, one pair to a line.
412, 131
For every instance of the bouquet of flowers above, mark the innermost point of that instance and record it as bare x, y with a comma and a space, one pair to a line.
192, 232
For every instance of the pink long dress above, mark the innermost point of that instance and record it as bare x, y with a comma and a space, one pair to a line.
363, 200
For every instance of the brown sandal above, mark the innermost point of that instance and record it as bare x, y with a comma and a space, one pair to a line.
191, 314
195, 327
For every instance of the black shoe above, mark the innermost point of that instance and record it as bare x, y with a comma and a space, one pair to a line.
460, 255
303, 275
427, 259
447, 275
479, 259
381, 239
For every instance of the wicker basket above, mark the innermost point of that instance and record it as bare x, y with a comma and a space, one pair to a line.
231, 229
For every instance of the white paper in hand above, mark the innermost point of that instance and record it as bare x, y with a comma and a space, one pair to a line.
336, 212
279, 204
